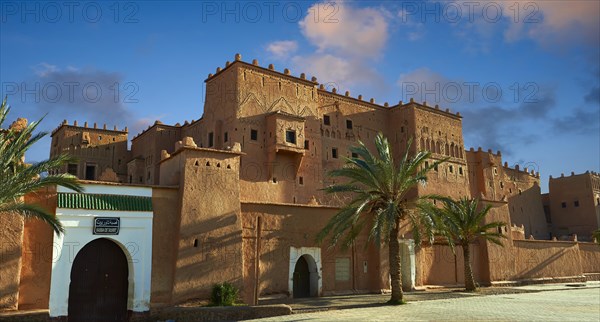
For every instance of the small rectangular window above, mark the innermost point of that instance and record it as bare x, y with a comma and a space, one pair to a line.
306, 144
72, 169
451, 168
426, 164
460, 170
301, 180
349, 124
211, 139
435, 167
226, 137
354, 155
402, 129
334, 153
290, 136
253, 135
576, 203
563, 204
326, 120
90, 172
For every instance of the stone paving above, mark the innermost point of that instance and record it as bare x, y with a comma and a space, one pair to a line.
545, 303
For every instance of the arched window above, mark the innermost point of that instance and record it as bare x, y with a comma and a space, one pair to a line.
422, 144
447, 149
452, 150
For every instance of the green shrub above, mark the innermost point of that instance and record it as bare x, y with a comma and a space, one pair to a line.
224, 294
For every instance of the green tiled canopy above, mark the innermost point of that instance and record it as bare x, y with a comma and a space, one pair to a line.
104, 202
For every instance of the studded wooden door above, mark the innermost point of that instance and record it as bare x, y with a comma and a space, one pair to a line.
99, 283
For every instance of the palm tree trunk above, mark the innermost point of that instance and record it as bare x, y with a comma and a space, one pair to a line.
395, 267
469, 279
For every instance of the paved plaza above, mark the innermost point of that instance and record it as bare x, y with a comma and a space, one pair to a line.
545, 303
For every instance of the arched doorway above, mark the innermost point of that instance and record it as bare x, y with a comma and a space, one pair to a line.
305, 277
99, 283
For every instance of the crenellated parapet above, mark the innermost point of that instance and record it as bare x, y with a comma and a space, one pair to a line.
590, 173
75, 124
325, 88
495, 159
270, 69
489, 151
525, 170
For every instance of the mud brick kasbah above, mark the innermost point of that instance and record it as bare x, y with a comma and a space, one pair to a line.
237, 196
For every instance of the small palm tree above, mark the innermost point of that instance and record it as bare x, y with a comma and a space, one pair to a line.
18, 179
462, 223
379, 186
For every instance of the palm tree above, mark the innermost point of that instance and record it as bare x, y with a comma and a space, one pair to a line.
379, 186
19, 179
462, 223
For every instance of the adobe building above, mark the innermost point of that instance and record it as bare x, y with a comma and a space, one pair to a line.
573, 205
237, 196
102, 153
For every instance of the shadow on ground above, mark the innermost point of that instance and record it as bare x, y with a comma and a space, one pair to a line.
313, 304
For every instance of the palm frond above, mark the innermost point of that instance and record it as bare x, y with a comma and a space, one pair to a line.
34, 212
463, 220
379, 185
18, 179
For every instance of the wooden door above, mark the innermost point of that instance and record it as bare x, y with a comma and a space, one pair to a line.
99, 283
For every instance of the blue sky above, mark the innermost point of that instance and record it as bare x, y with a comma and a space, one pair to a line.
524, 74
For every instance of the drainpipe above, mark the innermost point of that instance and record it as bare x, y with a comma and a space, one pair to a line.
257, 260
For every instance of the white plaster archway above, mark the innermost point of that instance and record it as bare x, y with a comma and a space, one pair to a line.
313, 257
134, 239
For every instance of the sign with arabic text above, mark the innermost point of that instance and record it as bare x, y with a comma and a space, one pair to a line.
107, 225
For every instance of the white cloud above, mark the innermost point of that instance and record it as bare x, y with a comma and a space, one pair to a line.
44, 69
346, 30
348, 39
335, 71
282, 49
553, 21
548, 22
